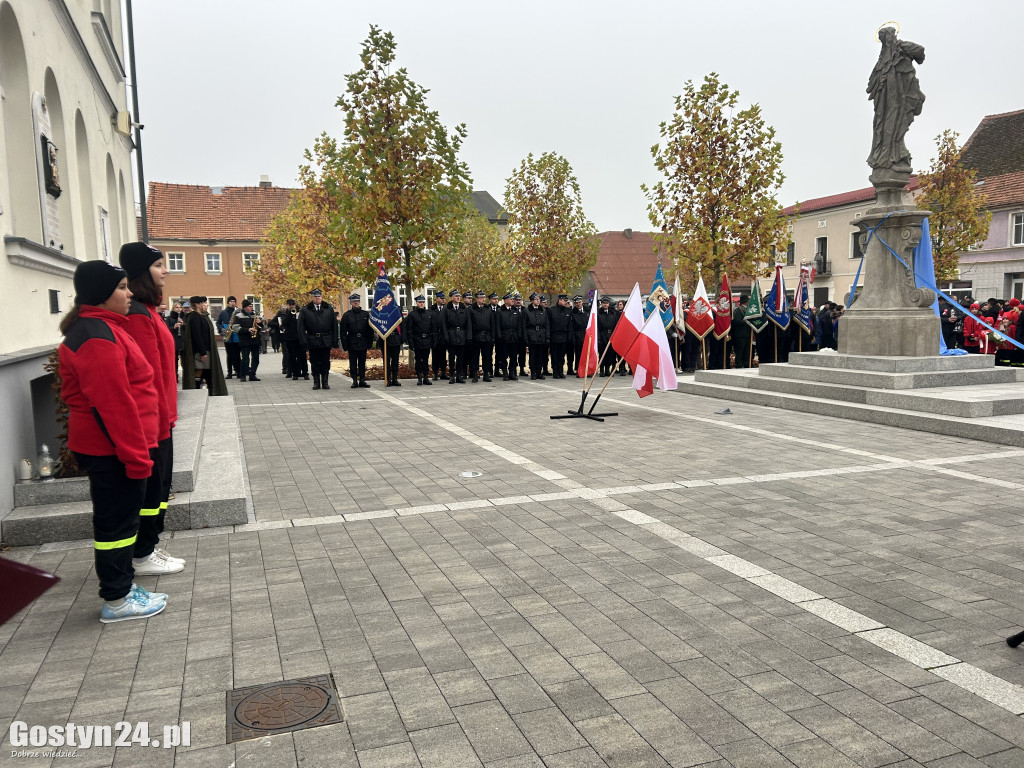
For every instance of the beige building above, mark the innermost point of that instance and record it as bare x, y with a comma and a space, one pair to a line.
65, 191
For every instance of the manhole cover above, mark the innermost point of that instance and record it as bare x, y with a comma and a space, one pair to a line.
471, 473
263, 710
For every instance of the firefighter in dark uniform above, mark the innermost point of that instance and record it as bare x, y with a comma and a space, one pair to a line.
509, 333
495, 304
290, 336
580, 316
392, 346
741, 333
559, 333
517, 305
318, 333
457, 328
421, 335
439, 352
484, 331
356, 338
606, 320
536, 331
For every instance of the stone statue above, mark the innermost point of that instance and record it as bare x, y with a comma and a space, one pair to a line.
894, 88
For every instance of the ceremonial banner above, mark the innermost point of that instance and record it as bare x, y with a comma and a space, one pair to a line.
653, 360
659, 299
677, 306
776, 305
385, 314
699, 317
630, 323
589, 355
754, 316
801, 302
723, 310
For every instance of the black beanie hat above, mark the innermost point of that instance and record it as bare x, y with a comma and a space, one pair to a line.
95, 281
136, 258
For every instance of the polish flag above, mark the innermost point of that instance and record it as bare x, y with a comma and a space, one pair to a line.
653, 360
588, 359
630, 322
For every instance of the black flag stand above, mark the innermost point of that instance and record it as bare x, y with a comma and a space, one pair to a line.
1014, 640
578, 413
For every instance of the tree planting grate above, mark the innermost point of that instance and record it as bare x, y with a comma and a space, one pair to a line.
271, 708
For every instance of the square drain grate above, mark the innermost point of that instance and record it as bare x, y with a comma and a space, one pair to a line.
271, 708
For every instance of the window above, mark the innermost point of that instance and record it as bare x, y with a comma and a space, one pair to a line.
215, 307
250, 261
429, 294
54, 302
855, 251
821, 255
791, 254
257, 304
105, 235
1017, 225
175, 261
399, 291
212, 263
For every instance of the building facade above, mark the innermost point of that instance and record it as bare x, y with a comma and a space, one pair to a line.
66, 191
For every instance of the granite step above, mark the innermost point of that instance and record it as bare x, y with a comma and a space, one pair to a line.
1004, 430
965, 402
828, 359
187, 436
889, 380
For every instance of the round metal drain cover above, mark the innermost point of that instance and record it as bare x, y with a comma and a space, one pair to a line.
471, 473
282, 706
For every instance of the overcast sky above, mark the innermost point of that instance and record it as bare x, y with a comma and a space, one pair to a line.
230, 90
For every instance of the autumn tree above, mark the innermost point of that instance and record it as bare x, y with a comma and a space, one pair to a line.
550, 242
405, 190
301, 249
722, 168
958, 220
474, 258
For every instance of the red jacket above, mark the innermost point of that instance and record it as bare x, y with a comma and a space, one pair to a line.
110, 391
157, 344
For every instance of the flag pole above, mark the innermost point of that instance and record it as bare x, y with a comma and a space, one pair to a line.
775, 352
750, 363
677, 352
608, 380
703, 355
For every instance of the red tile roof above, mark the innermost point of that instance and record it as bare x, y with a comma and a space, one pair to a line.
1004, 190
865, 195
194, 212
996, 148
625, 260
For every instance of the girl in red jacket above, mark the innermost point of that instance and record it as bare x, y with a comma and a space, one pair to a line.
144, 266
113, 424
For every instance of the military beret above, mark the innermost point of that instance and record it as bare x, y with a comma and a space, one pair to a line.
534, 296
439, 295
316, 292
355, 297
418, 299
455, 292
481, 295
492, 296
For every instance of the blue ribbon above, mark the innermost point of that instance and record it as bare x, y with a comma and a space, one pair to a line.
999, 334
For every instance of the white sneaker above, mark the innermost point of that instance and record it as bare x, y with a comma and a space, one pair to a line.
134, 606
168, 557
154, 565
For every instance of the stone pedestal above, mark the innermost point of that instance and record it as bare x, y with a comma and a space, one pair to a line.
891, 316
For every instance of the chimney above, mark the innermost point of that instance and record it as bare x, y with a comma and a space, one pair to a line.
628, 233
265, 180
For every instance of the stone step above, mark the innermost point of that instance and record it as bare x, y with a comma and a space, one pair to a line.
885, 380
893, 364
1004, 430
965, 402
217, 499
187, 435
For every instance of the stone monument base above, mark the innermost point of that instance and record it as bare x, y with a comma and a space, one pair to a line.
899, 331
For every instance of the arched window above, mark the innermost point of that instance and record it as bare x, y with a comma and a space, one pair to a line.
56, 111
87, 212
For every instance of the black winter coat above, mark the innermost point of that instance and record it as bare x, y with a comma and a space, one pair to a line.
579, 324
456, 325
510, 321
419, 327
356, 334
484, 324
560, 324
606, 320
316, 328
536, 329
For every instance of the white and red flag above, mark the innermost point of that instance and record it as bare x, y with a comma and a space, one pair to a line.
629, 325
677, 307
653, 361
588, 357
723, 310
699, 317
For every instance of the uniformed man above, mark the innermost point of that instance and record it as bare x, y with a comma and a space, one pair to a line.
517, 304
740, 333
419, 327
467, 303
580, 316
249, 326
536, 329
457, 328
318, 334
484, 331
290, 334
495, 305
356, 337
439, 352
509, 334
392, 347
559, 334
606, 320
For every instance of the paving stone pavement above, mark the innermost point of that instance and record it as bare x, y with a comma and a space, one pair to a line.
670, 587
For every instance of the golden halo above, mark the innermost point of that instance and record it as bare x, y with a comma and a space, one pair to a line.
883, 26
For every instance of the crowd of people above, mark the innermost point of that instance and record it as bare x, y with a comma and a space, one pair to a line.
963, 331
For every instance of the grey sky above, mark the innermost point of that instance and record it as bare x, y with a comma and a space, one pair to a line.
230, 90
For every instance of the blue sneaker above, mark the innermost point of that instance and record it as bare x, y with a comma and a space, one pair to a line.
133, 607
141, 593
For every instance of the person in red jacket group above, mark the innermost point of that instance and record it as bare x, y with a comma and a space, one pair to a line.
144, 267
113, 424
